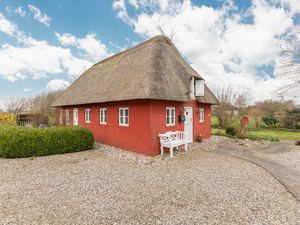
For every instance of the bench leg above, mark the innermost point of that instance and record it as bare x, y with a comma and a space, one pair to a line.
161, 150
185, 147
171, 152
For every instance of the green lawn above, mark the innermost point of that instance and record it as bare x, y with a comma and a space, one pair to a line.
281, 134
263, 133
270, 133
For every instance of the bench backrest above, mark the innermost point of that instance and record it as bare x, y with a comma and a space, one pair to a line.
170, 136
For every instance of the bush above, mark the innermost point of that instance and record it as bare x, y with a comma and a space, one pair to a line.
241, 133
230, 131
17, 142
270, 120
297, 143
7, 118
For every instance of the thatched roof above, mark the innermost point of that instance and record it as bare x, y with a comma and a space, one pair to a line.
153, 69
208, 98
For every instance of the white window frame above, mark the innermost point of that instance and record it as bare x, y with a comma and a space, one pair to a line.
61, 117
67, 117
170, 117
122, 118
201, 115
103, 115
87, 115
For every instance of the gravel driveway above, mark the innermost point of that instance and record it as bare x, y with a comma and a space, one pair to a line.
94, 187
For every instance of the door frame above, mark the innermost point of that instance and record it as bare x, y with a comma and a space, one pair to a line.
192, 123
74, 116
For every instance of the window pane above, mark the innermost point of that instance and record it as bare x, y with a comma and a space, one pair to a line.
126, 112
168, 120
173, 112
126, 120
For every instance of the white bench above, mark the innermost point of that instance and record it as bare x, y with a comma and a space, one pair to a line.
172, 140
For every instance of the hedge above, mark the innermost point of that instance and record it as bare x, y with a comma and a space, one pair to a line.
18, 142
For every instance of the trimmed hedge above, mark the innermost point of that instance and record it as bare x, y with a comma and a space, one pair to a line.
18, 142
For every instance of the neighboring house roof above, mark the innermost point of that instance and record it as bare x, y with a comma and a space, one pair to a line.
153, 69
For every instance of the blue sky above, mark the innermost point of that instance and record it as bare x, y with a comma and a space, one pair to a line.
45, 45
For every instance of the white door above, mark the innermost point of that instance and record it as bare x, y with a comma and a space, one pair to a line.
75, 117
188, 124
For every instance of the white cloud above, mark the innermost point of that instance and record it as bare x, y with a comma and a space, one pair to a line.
134, 3
57, 84
120, 7
6, 26
20, 11
223, 44
293, 5
27, 89
93, 48
37, 15
36, 59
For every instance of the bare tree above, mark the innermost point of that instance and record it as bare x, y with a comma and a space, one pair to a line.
241, 102
289, 69
42, 104
18, 105
232, 104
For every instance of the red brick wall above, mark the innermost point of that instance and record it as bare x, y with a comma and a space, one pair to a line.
147, 119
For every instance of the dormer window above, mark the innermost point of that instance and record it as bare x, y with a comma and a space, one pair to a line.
199, 88
196, 88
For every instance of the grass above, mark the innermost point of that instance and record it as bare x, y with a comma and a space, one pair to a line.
266, 134
281, 134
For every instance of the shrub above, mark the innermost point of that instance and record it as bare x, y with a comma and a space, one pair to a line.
241, 133
7, 118
270, 120
16, 142
230, 131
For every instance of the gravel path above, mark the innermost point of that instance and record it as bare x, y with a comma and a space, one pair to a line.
98, 187
268, 157
289, 159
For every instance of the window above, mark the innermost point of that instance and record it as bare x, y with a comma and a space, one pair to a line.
123, 117
170, 116
103, 116
201, 115
67, 117
61, 117
88, 115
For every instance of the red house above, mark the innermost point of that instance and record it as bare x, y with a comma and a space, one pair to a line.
129, 98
